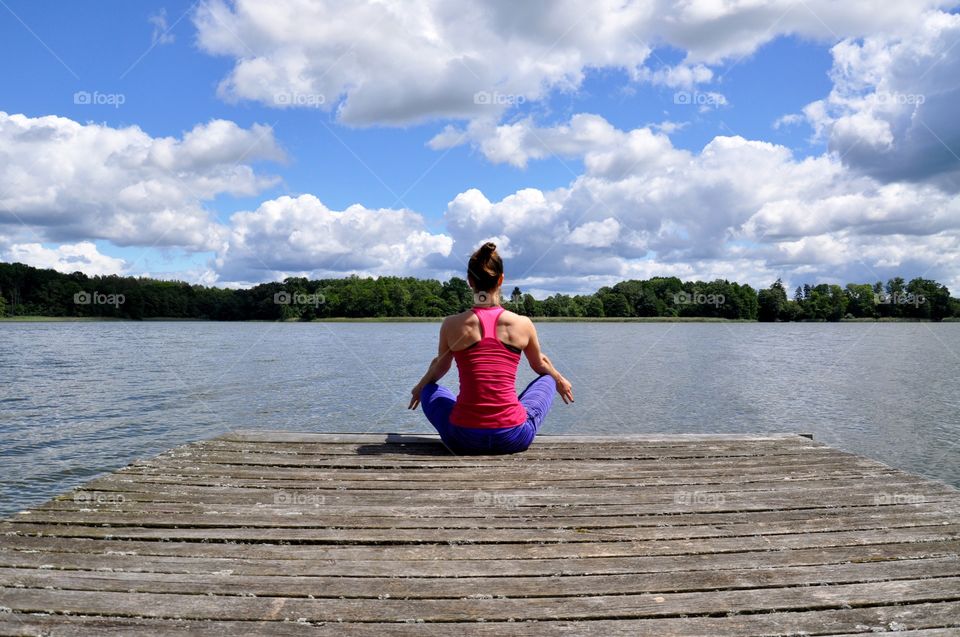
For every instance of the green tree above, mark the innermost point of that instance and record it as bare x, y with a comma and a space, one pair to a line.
772, 302
594, 307
927, 299
458, 295
615, 304
530, 305
862, 300
516, 300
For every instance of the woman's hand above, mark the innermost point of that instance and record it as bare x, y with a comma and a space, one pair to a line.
565, 389
415, 396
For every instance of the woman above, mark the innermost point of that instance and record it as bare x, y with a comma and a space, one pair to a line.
486, 341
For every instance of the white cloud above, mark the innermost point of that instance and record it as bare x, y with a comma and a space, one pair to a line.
596, 234
740, 209
287, 236
892, 110
76, 257
395, 63
69, 181
678, 76
790, 119
668, 127
161, 32
711, 31
585, 135
399, 62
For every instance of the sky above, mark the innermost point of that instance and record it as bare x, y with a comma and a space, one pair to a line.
235, 142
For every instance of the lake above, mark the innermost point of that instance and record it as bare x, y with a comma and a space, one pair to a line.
80, 399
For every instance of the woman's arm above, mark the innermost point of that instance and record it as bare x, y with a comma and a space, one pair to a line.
439, 366
542, 365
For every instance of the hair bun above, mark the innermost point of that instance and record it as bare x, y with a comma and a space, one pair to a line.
485, 268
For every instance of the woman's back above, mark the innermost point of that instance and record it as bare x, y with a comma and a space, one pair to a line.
464, 329
487, 365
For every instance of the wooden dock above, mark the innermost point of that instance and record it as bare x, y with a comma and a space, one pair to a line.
292, 534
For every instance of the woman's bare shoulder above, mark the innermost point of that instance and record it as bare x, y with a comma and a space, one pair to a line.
515, 319
459, 319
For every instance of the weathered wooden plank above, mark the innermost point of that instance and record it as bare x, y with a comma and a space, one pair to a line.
665, 604
568, 513
173, 557
133, 482
524, 472
465, 587
467, 504
914, 620
383, 534
637, 457
262, 543
575, 475
813, 481
360, 536
759, 522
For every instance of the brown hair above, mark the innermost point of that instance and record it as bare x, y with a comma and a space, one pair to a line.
485, 268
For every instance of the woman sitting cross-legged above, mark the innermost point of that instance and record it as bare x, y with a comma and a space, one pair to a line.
486, 341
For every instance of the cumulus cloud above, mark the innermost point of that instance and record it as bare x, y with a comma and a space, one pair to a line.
396, 63
300, 235
741, 209
713, 31
596, 234
69, 181
892, 110
76, 257
586, 135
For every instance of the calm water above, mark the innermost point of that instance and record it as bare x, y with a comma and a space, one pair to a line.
80, 399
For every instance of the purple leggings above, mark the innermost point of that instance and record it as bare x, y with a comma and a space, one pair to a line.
438, 401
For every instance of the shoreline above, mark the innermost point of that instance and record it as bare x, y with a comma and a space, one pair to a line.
437, 319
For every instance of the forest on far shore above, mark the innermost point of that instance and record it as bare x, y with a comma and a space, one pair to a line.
29, 291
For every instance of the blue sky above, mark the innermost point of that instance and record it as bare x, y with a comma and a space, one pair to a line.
168, 63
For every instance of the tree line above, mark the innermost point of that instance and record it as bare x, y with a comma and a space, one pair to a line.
29, 291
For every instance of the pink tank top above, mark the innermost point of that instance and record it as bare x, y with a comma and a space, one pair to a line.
488, 376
